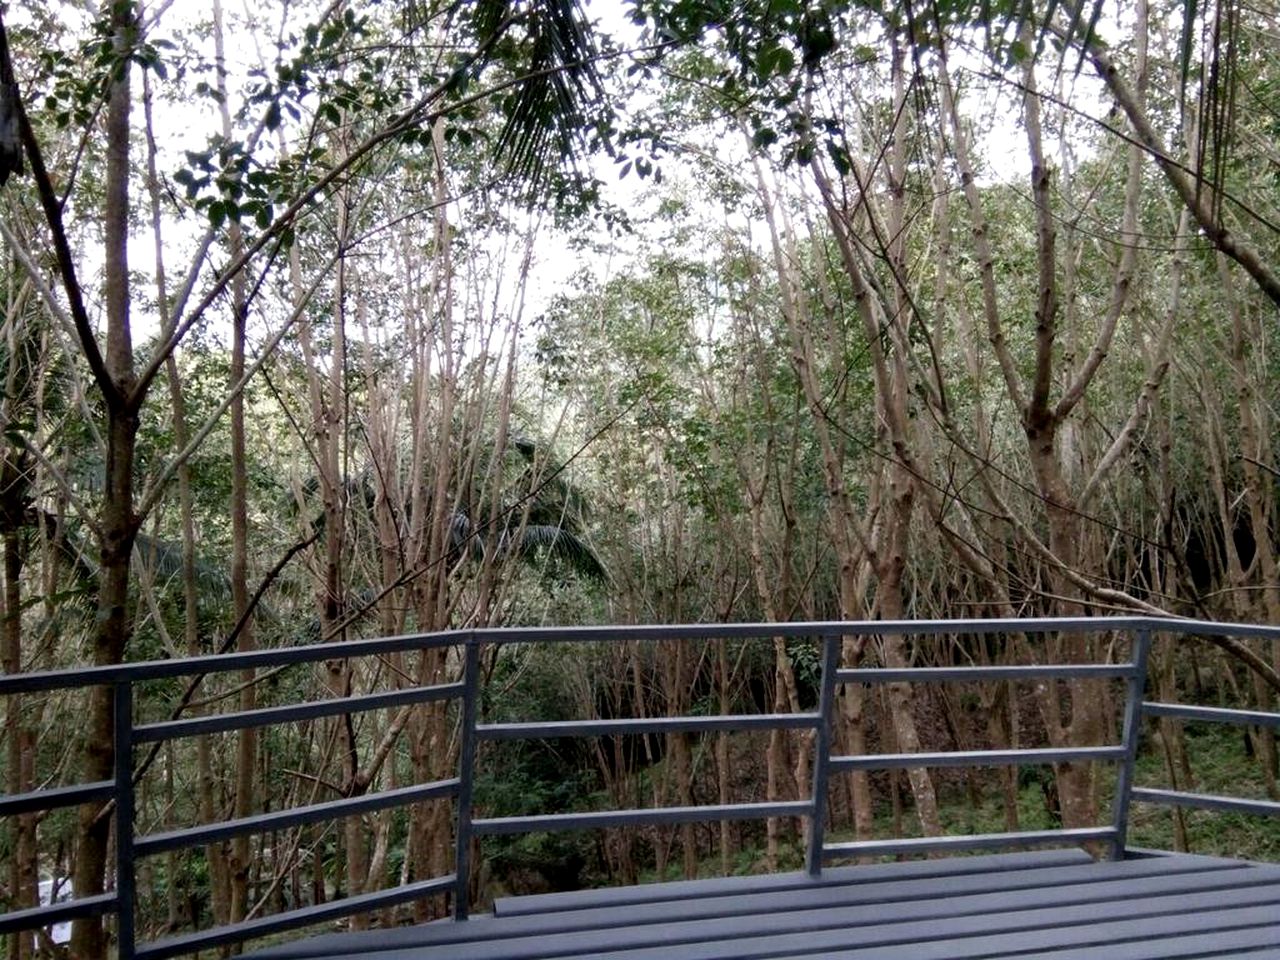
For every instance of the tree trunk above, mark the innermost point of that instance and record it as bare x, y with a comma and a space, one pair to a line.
241, 861
119, 525
21, 741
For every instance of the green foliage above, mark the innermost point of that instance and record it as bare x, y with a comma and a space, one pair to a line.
520, 778
1222, 765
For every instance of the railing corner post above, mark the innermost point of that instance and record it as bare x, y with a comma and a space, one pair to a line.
126, 892
1132, 734
466, 774
822, 755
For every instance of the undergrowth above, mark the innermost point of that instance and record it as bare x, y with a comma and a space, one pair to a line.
1220, 763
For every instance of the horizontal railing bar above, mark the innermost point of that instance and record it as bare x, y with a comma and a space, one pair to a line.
637, 725
1212, 628
37, 681
302, 917
292, 817
634, 818
35, 917
52, 798
978, 841
972, 758
1185, 711
1062, 671
1206, 801
716, 631
187, 666
267, 716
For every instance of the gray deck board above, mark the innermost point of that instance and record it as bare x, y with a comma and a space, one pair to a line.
1255, 943
829, 906
630, 906
833, 876
963, 936
1252, 925
911, 898
1059, 905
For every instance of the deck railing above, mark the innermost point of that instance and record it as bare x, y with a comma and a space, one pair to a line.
119, 791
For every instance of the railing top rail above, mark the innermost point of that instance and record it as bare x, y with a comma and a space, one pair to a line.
807, 628
823, 628
1212, 628
36, 681
219, 663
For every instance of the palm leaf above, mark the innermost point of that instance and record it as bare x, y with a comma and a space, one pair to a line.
463, 536
164, 557
545, 540
548, 111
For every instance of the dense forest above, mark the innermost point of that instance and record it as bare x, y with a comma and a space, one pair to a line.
340, 319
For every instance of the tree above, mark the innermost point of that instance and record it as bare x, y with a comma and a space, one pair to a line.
549, 70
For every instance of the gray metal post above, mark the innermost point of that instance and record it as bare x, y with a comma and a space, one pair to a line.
1132, 734
822, 754
466, 777
126, 891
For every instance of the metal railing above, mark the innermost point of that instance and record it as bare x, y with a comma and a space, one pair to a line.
119, 790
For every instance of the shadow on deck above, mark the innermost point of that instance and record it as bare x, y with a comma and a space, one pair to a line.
1059, 904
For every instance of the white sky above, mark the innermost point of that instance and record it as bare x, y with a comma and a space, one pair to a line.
187, 126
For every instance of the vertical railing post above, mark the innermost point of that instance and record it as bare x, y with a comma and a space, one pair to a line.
126, 892
822, 754
1132, 734
466, 776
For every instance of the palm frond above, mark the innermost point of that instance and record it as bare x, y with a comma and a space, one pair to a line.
548, 111
552, 497
464, 537
545, 540
164, 557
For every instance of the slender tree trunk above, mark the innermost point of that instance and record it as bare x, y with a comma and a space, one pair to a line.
1258, 496
19, 735
433, 467
886, 547
241, 862
21, 743
119, 524
219, 873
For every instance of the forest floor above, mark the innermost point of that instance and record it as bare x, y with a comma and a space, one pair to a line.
1221, 765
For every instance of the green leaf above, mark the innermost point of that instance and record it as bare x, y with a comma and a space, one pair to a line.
817, 38
839, 158
774, 60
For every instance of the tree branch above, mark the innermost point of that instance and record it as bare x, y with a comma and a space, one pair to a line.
1239, 250
62, 248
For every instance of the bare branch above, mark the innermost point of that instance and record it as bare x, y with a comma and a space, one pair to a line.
1197, 200
52, 208
981, 240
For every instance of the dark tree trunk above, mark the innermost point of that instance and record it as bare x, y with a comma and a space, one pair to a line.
119, 524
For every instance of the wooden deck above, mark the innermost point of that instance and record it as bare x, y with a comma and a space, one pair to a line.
1057, 904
